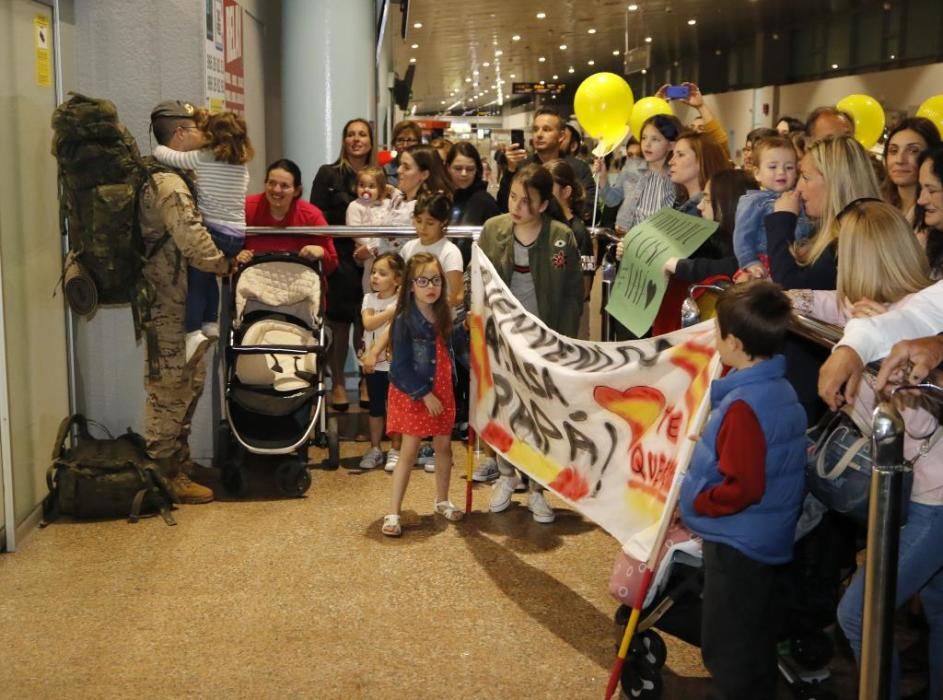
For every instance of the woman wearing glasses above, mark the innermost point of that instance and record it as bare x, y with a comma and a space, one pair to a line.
407, 134
334, 188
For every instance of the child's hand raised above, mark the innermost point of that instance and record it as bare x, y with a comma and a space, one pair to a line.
788, 201
433, 405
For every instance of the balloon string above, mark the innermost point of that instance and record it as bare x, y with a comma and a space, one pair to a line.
596, 201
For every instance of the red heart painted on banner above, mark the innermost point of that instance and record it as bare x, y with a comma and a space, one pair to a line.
639, 406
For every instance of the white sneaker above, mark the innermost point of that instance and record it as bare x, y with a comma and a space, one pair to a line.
486, 471
196, 343
426, 456
392, 457
373, 458
503, 490
211, 329
539, 508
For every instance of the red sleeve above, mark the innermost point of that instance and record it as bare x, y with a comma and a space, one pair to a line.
741, 458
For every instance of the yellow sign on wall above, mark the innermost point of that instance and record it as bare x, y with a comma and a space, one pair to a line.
42, 38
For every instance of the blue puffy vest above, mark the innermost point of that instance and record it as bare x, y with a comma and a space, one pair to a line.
764, 531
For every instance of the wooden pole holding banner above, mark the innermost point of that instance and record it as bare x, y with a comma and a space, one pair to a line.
469, 468
671, 502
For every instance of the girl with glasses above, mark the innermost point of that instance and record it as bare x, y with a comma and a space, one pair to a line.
421, 401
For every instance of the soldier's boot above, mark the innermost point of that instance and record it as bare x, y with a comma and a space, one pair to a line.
188, 491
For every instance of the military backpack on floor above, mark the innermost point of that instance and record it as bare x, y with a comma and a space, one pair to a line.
104, 478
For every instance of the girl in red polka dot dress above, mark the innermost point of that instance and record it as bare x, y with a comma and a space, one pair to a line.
421, 401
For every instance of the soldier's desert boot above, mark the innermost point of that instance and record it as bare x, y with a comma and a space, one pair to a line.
188, 491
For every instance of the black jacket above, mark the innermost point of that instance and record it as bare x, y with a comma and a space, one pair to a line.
780, 233
582, 171
472, 206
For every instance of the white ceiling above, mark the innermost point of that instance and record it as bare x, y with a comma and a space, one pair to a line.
457, 39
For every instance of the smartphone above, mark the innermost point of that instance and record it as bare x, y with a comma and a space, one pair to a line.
677, 92
517, 136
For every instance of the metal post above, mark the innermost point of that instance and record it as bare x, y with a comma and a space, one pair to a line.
880, 579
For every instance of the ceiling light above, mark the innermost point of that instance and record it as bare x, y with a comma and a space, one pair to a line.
692, 22
412, 60
616, 52
513, 75
475, 84
563, 47
556, 77
467, 80
414, 46
516, 37
893, 57
834, 66
717, 52
474, 72
442, 102
648, 40
644, 71
633, 8
486, 64
572, 70
591, 62
417, 25
543, 82
541, 15
499, 52
542, 59
590, 31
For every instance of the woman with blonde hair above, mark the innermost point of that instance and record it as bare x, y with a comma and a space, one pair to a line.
834, 171
880, 265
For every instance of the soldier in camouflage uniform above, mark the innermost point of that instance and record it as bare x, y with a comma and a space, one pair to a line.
175, 237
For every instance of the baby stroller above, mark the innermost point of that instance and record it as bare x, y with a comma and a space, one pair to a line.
673, 605
274, 372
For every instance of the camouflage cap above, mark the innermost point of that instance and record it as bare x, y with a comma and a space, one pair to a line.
173, 109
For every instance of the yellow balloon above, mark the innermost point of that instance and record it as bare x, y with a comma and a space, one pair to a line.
644, 109
932, 109
603, 103
868, 115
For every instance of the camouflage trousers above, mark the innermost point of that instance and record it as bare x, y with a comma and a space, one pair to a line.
171, 399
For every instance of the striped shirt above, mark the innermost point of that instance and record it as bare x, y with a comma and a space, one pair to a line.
651, 193
220, 187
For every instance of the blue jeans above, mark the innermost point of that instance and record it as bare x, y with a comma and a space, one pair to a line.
919, 570
202, 287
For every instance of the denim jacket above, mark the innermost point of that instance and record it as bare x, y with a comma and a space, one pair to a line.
412, 367
749, 233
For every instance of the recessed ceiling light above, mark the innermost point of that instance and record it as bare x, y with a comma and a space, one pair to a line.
516, 37
571, 70
591, 62
499, 52
475, 84
633, 8
590, 31
442, 102
541, 15
543, 82
486, 64
775, 37
616, 52
414, 46
467, 80
412, 60
417, 25
893, 57
692, 22
474, 72
556, 77
563, 47
513, 75
834, 66
648, 40
542, 59
717, 52
644, 71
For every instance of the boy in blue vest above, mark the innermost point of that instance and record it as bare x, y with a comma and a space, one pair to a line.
743, 492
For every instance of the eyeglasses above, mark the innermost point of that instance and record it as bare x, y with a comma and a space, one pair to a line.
405, 140
424, 282
853, 205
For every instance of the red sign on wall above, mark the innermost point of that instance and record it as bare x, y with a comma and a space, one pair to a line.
235, 69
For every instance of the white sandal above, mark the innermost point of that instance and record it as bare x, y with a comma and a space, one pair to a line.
391, 526
448, 511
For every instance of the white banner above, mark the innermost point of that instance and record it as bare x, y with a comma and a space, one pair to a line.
602, 425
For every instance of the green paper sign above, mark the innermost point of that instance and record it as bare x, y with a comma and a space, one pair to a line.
639, 288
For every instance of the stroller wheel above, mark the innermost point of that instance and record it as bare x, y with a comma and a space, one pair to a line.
234, 480
650, 647
293, 478
640, 681
333, 460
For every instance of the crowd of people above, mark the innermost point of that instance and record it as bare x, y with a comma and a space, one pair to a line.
852, 239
